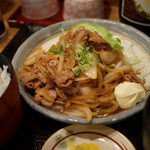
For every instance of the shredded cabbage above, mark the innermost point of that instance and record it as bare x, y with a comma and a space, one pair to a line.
135, 56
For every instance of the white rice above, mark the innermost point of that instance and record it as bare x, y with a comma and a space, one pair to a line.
4, 79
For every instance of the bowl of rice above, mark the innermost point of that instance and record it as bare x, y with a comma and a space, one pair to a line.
10, 104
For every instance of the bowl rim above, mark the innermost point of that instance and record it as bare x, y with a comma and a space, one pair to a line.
67, 119
10, 67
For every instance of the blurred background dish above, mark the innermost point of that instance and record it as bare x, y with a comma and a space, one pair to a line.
17, 19
83, 9
136, 13
146, 125
39, 9
10, 105
39, 36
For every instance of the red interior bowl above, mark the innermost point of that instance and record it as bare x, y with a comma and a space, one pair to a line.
10, 105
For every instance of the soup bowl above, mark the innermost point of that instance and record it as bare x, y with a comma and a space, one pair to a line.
51, 30
10, 104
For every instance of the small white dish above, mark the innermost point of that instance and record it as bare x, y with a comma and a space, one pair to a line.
102, 136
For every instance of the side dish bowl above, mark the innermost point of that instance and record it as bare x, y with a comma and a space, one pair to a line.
51, 30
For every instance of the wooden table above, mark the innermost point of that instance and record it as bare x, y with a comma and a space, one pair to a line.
14, 4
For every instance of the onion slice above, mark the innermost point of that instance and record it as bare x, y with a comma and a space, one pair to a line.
86, 111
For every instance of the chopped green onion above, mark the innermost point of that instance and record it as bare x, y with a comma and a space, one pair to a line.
84, 58
80, 68
58, 51
76, 70
97, 60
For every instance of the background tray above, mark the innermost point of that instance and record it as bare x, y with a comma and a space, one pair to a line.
17, 20
35, 128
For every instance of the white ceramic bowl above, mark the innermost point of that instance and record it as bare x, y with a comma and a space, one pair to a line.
48, 31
